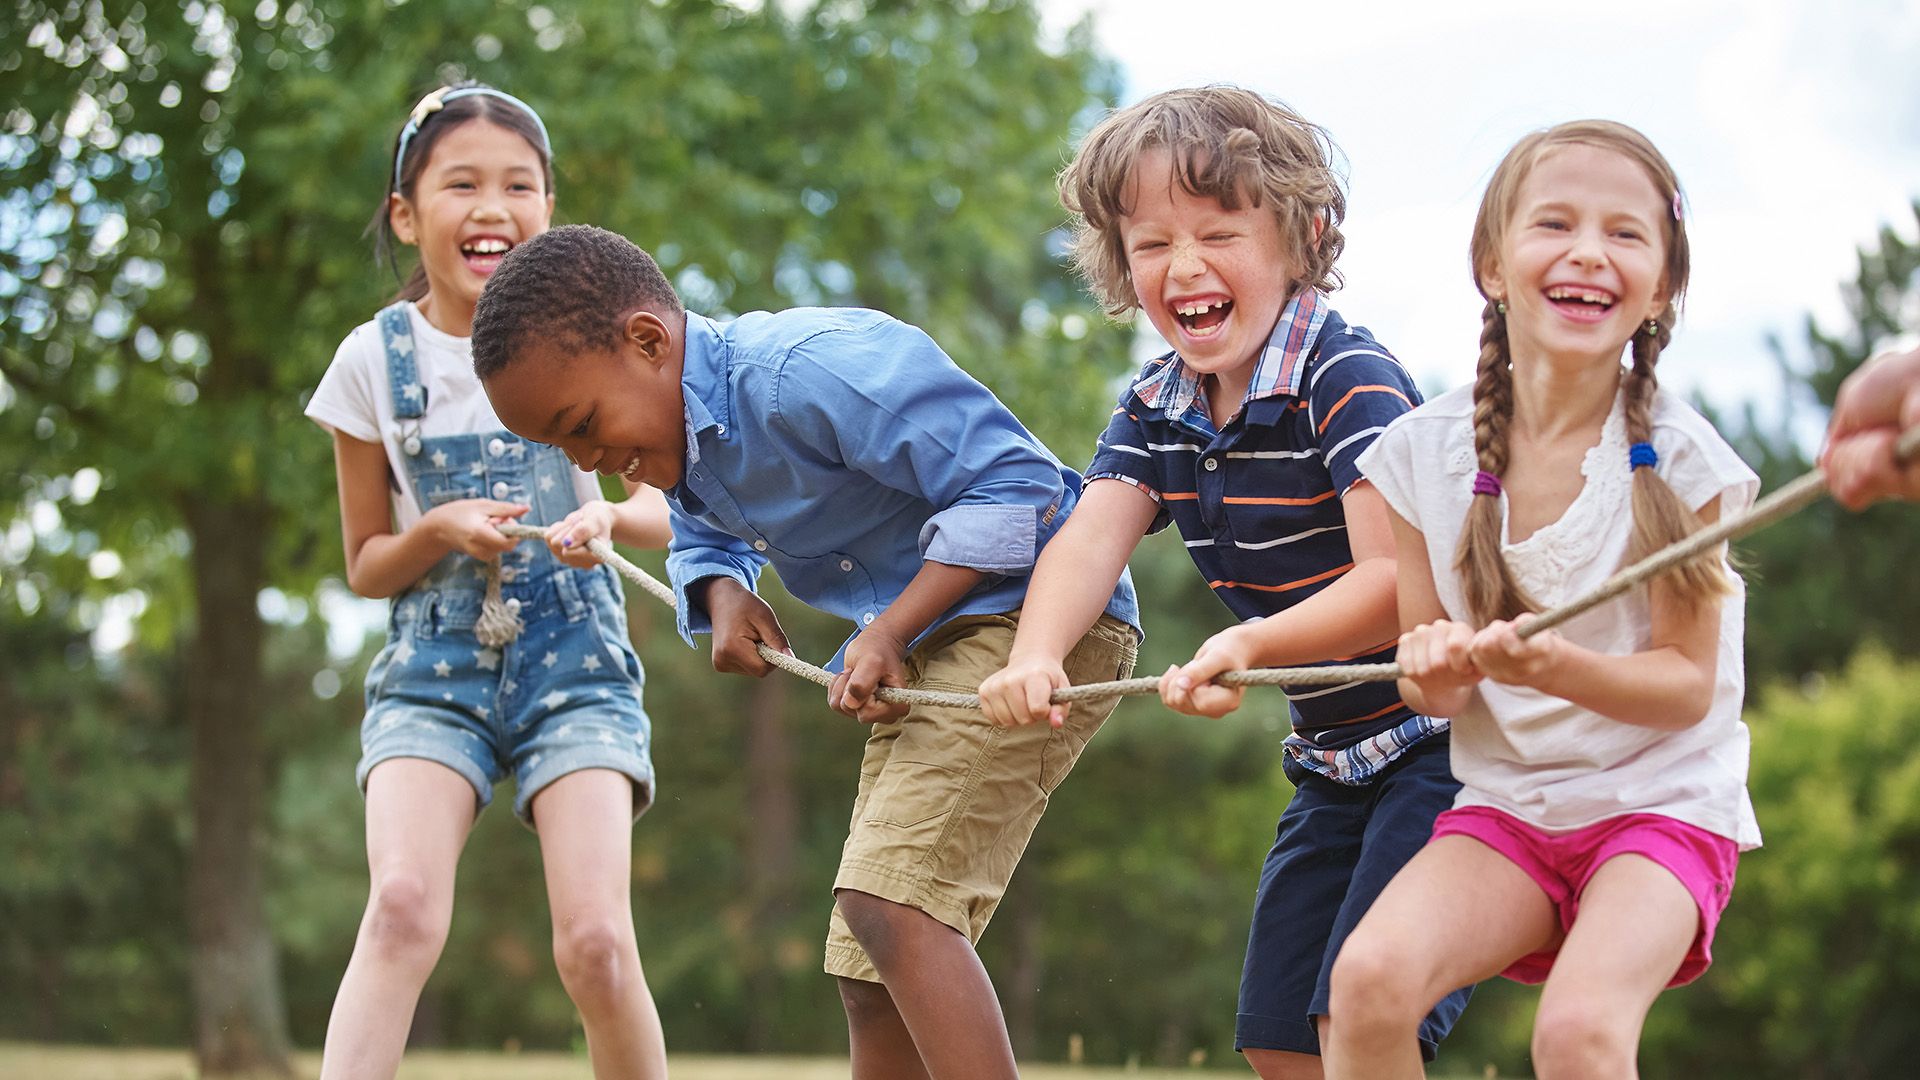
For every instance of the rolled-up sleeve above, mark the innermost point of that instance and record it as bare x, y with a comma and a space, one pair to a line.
700, 551
934, 432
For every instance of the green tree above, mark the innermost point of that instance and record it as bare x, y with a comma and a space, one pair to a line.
182, 190
1824, 579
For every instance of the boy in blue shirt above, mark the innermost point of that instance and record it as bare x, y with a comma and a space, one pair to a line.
1216, 212
887, 487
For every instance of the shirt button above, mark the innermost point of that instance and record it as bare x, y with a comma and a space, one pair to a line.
500, 489
1212, 464
496, 447
867, 618
846, 564
759, 545
721, 431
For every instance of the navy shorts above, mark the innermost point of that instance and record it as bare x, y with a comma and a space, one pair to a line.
1336, 848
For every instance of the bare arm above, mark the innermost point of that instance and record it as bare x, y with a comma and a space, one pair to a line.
1667, 686
380, 562
1072, 581
1352, 616
1433, 649
876, 658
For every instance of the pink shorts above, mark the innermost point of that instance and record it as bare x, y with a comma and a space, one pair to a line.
1562, 864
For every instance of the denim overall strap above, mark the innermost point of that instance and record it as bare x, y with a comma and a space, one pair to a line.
409, 393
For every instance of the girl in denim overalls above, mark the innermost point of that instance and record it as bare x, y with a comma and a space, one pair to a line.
501, 658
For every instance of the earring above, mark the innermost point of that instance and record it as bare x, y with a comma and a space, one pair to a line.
1652, 328
1500, 307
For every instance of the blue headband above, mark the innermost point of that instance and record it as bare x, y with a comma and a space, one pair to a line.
437, 100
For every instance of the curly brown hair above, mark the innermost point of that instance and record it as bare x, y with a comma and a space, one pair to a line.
1228, 144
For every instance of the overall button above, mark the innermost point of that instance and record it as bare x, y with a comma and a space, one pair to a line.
500, 489
1212, 464
497, 447
846, 564
759, 545
411, 445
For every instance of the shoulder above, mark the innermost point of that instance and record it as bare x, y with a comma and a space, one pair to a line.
1435, 430
765, 336
1345, 356
1697, 462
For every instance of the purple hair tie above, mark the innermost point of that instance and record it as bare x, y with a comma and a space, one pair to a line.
1640, 455
1485, 483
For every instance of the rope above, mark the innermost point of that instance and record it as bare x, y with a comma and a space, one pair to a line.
1789, 498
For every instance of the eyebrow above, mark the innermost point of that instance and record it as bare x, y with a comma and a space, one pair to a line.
553, 425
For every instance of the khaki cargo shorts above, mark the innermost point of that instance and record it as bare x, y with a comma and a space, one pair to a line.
947, 800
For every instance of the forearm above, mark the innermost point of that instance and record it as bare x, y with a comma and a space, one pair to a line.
1072, 582
641, 519
1351, 617
387, 563
1661, 688
1440, 706
936, 588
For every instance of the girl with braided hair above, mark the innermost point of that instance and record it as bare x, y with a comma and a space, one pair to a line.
1603, 767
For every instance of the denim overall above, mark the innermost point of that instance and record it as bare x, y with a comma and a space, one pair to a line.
564, 694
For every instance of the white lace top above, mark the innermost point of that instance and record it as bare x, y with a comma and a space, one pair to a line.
1541, 758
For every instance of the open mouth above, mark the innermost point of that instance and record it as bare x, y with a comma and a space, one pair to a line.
631, 468
483, 253
1580, 302
1201, 318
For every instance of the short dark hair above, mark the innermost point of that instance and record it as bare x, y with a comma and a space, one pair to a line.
567, 286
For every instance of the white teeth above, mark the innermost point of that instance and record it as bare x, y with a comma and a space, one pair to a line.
631, 468
1190, 310
1591, 296
487, 246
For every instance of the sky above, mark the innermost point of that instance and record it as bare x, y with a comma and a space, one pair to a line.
1794, 128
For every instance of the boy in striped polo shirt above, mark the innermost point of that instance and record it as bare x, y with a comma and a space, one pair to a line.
1216, 212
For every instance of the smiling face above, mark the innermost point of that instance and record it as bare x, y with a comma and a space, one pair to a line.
616, 411
1583, 263
481, 191
1212, 281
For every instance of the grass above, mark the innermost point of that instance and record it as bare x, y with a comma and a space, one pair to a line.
45, 1062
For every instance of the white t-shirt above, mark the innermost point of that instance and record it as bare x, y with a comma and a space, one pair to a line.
1540, 758
355, 398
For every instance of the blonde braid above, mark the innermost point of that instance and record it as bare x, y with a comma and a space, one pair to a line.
1659, 517
1491, 590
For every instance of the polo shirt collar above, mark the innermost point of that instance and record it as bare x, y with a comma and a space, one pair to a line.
1172, 388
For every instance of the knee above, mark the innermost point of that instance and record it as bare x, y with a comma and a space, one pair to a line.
878, 925
404, 921
1576, 1040
867, 1003
597, 958
1371, 991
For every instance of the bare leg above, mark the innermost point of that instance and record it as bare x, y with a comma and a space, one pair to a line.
882, 1047
418, 815
1457, 913
938, 987
585, 820
1635, 925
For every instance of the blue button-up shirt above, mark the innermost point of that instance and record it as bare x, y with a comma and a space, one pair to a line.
846, 449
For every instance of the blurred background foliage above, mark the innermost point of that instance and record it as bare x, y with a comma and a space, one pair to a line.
183, 193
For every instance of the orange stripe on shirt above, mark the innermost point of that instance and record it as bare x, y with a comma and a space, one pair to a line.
1338, 405
1179, 496
1248, 500
1335, 572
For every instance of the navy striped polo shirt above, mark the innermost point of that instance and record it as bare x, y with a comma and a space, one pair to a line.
1258, 503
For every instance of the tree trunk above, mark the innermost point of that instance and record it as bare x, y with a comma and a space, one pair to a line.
1020, 989
773, 832
240, 1020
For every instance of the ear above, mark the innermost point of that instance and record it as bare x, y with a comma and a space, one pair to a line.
1493, 282
1661, 299
648, 336
400, 218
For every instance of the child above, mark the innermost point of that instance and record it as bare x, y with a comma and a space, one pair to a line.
1216, 212
500, 658
1604, 799
888, 488
1875, 402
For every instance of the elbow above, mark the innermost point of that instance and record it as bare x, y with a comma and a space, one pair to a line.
362, 587
1691, 706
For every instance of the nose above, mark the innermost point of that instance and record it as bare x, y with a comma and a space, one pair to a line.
1185, 261
1589, 248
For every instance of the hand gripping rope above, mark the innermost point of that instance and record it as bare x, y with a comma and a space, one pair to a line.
1789, 498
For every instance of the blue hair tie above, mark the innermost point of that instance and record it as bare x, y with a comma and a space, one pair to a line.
437, 100
1640, 455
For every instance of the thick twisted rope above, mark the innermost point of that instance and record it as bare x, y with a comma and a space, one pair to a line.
1789, 498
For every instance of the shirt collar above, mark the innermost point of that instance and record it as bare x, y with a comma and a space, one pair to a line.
1172, 388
